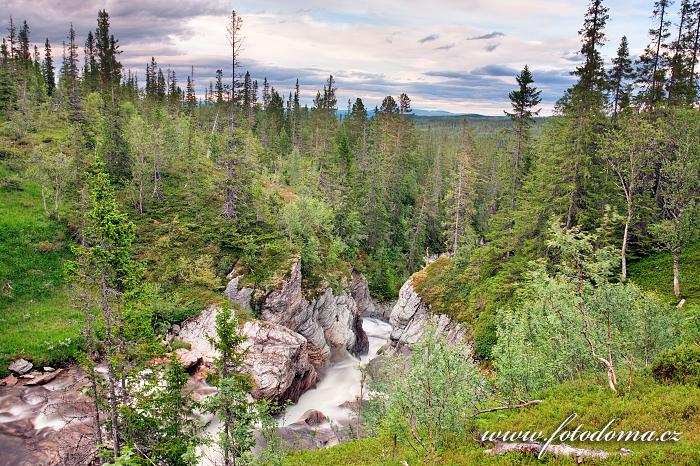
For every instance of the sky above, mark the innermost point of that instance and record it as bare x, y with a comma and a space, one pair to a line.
459, 56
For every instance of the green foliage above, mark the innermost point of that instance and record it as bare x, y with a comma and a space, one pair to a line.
678, 365
429, 397
231, 404
649, 406
158, 422
574, 318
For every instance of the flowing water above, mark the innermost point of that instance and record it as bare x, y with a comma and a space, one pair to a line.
340, 382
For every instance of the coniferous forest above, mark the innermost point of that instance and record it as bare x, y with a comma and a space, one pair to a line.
186, 266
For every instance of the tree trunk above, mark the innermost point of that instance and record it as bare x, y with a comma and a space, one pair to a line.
625, 236
676, 280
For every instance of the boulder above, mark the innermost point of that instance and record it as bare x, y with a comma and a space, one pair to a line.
242, 297
313, 417
277, 361
20, 366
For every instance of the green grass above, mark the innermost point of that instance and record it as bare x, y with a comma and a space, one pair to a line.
35, 318
655, 273
649, 406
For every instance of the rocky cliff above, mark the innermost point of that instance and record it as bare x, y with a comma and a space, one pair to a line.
410, 316
293, 338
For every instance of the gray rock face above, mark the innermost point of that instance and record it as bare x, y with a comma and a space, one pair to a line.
366, 306
278, 361
242, 296
288, 307
327, 322
410, 316
20, 366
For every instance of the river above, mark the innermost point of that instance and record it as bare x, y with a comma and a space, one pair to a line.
340, 381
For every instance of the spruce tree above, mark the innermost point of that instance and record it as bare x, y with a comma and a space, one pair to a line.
652, 64
523, 102
619, 79
48, 69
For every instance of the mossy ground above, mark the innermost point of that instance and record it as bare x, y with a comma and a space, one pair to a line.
649, 406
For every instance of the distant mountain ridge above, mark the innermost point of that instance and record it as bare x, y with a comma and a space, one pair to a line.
421, 113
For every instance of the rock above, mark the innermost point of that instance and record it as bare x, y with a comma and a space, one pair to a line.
410, 316
241, 297
187, 358
27, 376
176, 329
277, 361
48, 369
48, 377
313, 417
341, 322
301, 436
8, 381
359, 289
288, 307
20, 366
196, 332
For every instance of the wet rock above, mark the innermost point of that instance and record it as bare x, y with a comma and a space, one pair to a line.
46, 378
304, 437
48, 369
20, 366
313, 417
8, 381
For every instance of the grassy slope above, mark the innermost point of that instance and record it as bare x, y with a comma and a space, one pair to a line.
656, 273
650, 406
35, 318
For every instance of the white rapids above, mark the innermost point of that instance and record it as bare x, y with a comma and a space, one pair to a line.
340, 382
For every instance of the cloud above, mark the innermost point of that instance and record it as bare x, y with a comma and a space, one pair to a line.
490, 35
492, 47
429, 38
445, 47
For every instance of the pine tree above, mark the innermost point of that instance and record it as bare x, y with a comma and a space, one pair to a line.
219, 88
191, 97
652, 64
619, 79
231, 404
25, 54
105, 263
682, 85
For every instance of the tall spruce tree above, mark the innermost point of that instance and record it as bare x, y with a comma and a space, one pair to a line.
523, 102
620, 79
653, 63
48, 69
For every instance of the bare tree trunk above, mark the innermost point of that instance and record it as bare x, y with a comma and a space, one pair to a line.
623, 273
676, 280
111, 379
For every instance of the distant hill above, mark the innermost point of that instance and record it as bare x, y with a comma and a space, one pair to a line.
420, 113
